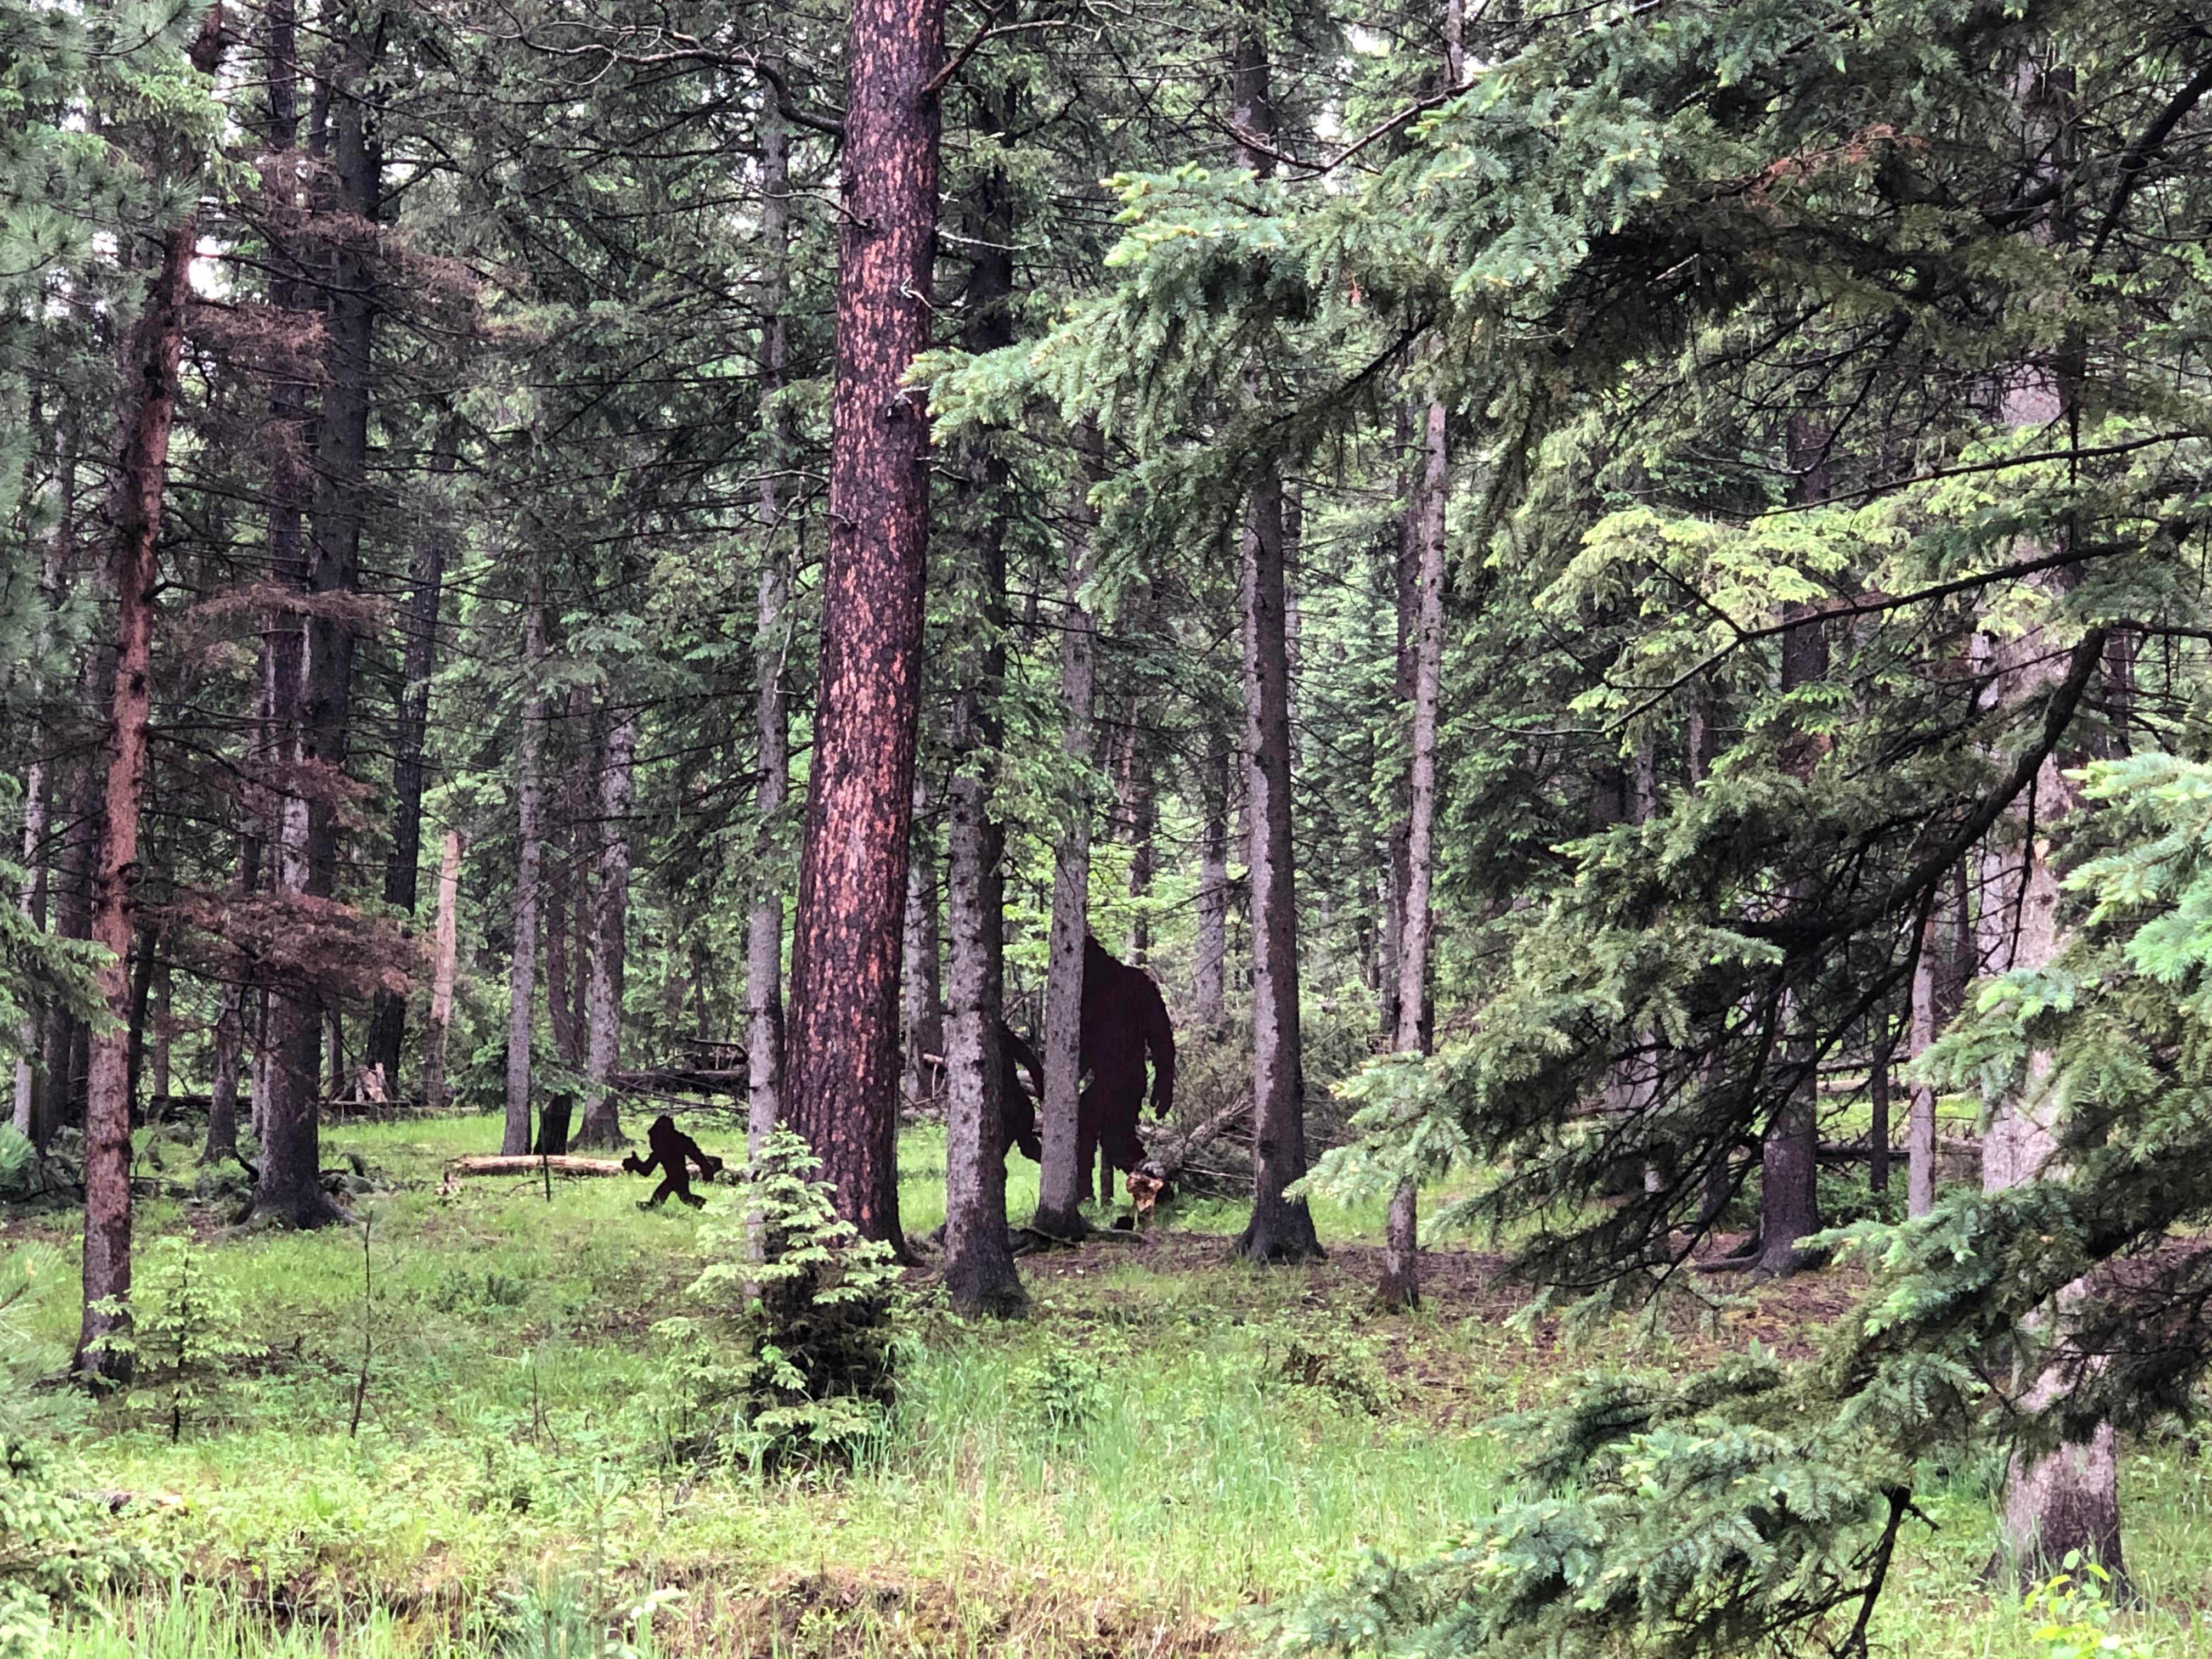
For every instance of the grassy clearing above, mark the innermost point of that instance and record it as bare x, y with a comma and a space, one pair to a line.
1170, 1439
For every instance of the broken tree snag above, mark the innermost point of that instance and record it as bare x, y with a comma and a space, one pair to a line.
842, 1048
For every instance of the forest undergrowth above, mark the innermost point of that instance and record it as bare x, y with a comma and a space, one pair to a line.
448, 1440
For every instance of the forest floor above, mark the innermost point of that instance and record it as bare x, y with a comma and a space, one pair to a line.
1172, 1438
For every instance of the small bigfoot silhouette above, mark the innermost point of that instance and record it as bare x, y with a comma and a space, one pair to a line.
673, 1151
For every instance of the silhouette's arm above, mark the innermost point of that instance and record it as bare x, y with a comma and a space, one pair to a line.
1011, 1043
1159, 1040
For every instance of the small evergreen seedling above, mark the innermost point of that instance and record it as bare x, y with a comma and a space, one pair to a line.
795, 1359
185, 1331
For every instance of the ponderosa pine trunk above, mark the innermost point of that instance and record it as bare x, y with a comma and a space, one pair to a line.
922, 1014
979, 1275
841, 1049
771, 645
151, 351
1282, 1227
602, 1121
530, 857
1401, 1261
1063, 1180
418, 633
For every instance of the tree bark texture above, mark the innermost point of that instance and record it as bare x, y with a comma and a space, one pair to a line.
312, 706
1402, 1275
979, 1275
1062, 1181
842, 1045
603, 1011
771, 644
418, 632
530, 858
1282, 1227
150, 354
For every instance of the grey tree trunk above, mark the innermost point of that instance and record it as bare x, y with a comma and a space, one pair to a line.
1062, 1185
1282, 1227
530, 857
445, 949
222, 1084
1401, 1273
31, 902
602, 1124
1789, 1151
316, 706
921, 1013
771, 645
979, 1275
1209, 971
418, 628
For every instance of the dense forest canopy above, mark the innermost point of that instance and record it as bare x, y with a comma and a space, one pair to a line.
1601, 609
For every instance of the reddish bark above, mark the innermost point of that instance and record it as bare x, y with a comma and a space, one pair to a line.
149, 366
843, 1052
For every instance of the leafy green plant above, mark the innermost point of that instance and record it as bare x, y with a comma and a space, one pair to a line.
1345, 1368
185, 1330
1064, 1386
55, 1554
2076, 1611
807, 1323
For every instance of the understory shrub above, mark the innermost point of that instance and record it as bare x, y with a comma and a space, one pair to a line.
56, 1552
186, 1331
793, 1360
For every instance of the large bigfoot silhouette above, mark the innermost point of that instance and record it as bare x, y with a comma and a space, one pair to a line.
674, 1152
1124, 1019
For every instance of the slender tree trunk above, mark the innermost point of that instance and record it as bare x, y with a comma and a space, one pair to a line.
1282, 1227
1878, 1158
922, 1016
1401, 1279
69, 1039
568, 898
1208, 979
31, 903
1065, 1180
418, 631
1405, 575
1137, 782
979, 1275
222, 1084
771, 644
841, 1054
530, 811
445, 952
151, 351
602, 1124
1789, 1153
1939, 989
148, 946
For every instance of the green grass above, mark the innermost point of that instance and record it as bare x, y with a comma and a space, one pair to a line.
505, 1489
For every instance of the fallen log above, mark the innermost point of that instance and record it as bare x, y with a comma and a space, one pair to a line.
563, 1164
1169, 1154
